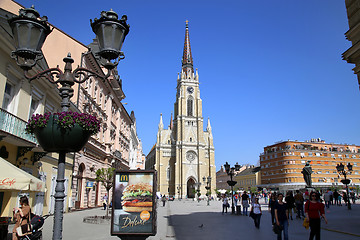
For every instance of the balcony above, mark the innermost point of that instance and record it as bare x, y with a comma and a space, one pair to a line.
15, 126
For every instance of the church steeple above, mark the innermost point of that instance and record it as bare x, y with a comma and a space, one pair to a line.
187, 60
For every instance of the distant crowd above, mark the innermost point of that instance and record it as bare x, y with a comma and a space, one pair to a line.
307, 206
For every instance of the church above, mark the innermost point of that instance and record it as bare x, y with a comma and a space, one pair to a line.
183, 155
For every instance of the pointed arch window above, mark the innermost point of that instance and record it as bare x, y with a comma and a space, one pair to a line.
190, 103
168, 173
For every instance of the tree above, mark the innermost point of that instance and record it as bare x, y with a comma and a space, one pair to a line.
105, 176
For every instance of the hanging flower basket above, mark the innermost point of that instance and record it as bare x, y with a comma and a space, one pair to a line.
64, 131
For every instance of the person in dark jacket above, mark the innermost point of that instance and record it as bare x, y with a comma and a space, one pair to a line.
290, 202
272, 202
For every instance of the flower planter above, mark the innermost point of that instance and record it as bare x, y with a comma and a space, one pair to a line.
53, 138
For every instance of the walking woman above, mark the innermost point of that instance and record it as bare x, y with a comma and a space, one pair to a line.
21, 215
314, 209
256, 209
271, 206
282, 217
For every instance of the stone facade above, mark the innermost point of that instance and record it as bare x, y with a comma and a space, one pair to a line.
184, 153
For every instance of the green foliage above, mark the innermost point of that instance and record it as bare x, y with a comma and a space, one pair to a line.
105, 176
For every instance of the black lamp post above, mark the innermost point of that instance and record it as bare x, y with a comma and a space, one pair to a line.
198, 184
231, 183
341, 170
207, 181
30, 32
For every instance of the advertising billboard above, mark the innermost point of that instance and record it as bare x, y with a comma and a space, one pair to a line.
134, 208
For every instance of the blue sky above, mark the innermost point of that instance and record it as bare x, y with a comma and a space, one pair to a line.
269, 70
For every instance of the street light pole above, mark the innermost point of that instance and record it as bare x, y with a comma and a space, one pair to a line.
30, 32
207, 181
231, 173
341, 170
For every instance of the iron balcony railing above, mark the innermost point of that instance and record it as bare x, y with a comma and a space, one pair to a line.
12, 124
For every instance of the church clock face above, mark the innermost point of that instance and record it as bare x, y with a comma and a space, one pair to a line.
190, 89
190, 156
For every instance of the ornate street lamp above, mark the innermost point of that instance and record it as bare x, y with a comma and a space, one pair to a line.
30, 32
207, 181
231, 172
198, 184
341, 170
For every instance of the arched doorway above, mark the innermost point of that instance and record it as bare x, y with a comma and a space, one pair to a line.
191, 188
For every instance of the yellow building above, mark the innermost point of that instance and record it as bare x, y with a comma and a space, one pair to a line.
248, 178
282, 163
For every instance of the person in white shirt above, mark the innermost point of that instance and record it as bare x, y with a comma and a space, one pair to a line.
256, 210
225, 204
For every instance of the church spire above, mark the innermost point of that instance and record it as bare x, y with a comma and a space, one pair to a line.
208, 128
161, 125
187, 60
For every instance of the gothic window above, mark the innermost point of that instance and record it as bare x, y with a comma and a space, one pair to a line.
190, 106
168, 173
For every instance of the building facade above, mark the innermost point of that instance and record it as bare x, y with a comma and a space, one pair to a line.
184, 153
281, 164
248, 178
352, 55
109, 148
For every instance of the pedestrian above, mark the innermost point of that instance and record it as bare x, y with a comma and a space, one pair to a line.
299, 203
339, 200
266, 198
306, 195
282, 217
272, 202
327, 199
225, 204
346, 199
336, 197
314, 209
163, 199
290, 202
238, 205
331, 197
352, 194
21, 215
245, 203
105, 201
256, 209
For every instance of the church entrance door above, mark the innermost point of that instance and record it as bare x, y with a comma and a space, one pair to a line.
191, 188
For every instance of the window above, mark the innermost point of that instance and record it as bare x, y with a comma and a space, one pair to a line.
168, 173
310, 154
8, 97
190, 106
36, 98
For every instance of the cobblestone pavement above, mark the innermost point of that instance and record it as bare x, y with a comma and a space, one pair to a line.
187, 220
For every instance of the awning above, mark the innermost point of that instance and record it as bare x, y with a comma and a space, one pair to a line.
13, 178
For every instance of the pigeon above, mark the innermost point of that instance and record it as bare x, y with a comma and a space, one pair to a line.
201, 225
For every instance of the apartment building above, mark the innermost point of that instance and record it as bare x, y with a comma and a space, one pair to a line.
281, 164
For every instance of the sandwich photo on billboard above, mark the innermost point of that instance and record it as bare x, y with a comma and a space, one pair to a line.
137, 198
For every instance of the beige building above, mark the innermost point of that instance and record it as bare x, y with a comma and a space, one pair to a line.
184, 153
281, 164
110, 147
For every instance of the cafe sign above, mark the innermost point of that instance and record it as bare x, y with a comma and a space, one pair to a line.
134, 208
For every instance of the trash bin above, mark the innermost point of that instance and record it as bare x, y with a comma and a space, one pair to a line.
4, 225
238, 210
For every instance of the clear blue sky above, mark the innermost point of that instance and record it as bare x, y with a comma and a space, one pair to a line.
269, 70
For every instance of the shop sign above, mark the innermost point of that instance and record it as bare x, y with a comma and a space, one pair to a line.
134, 208
7, 181
89, 184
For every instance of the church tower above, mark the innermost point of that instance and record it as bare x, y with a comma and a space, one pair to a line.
184, 153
